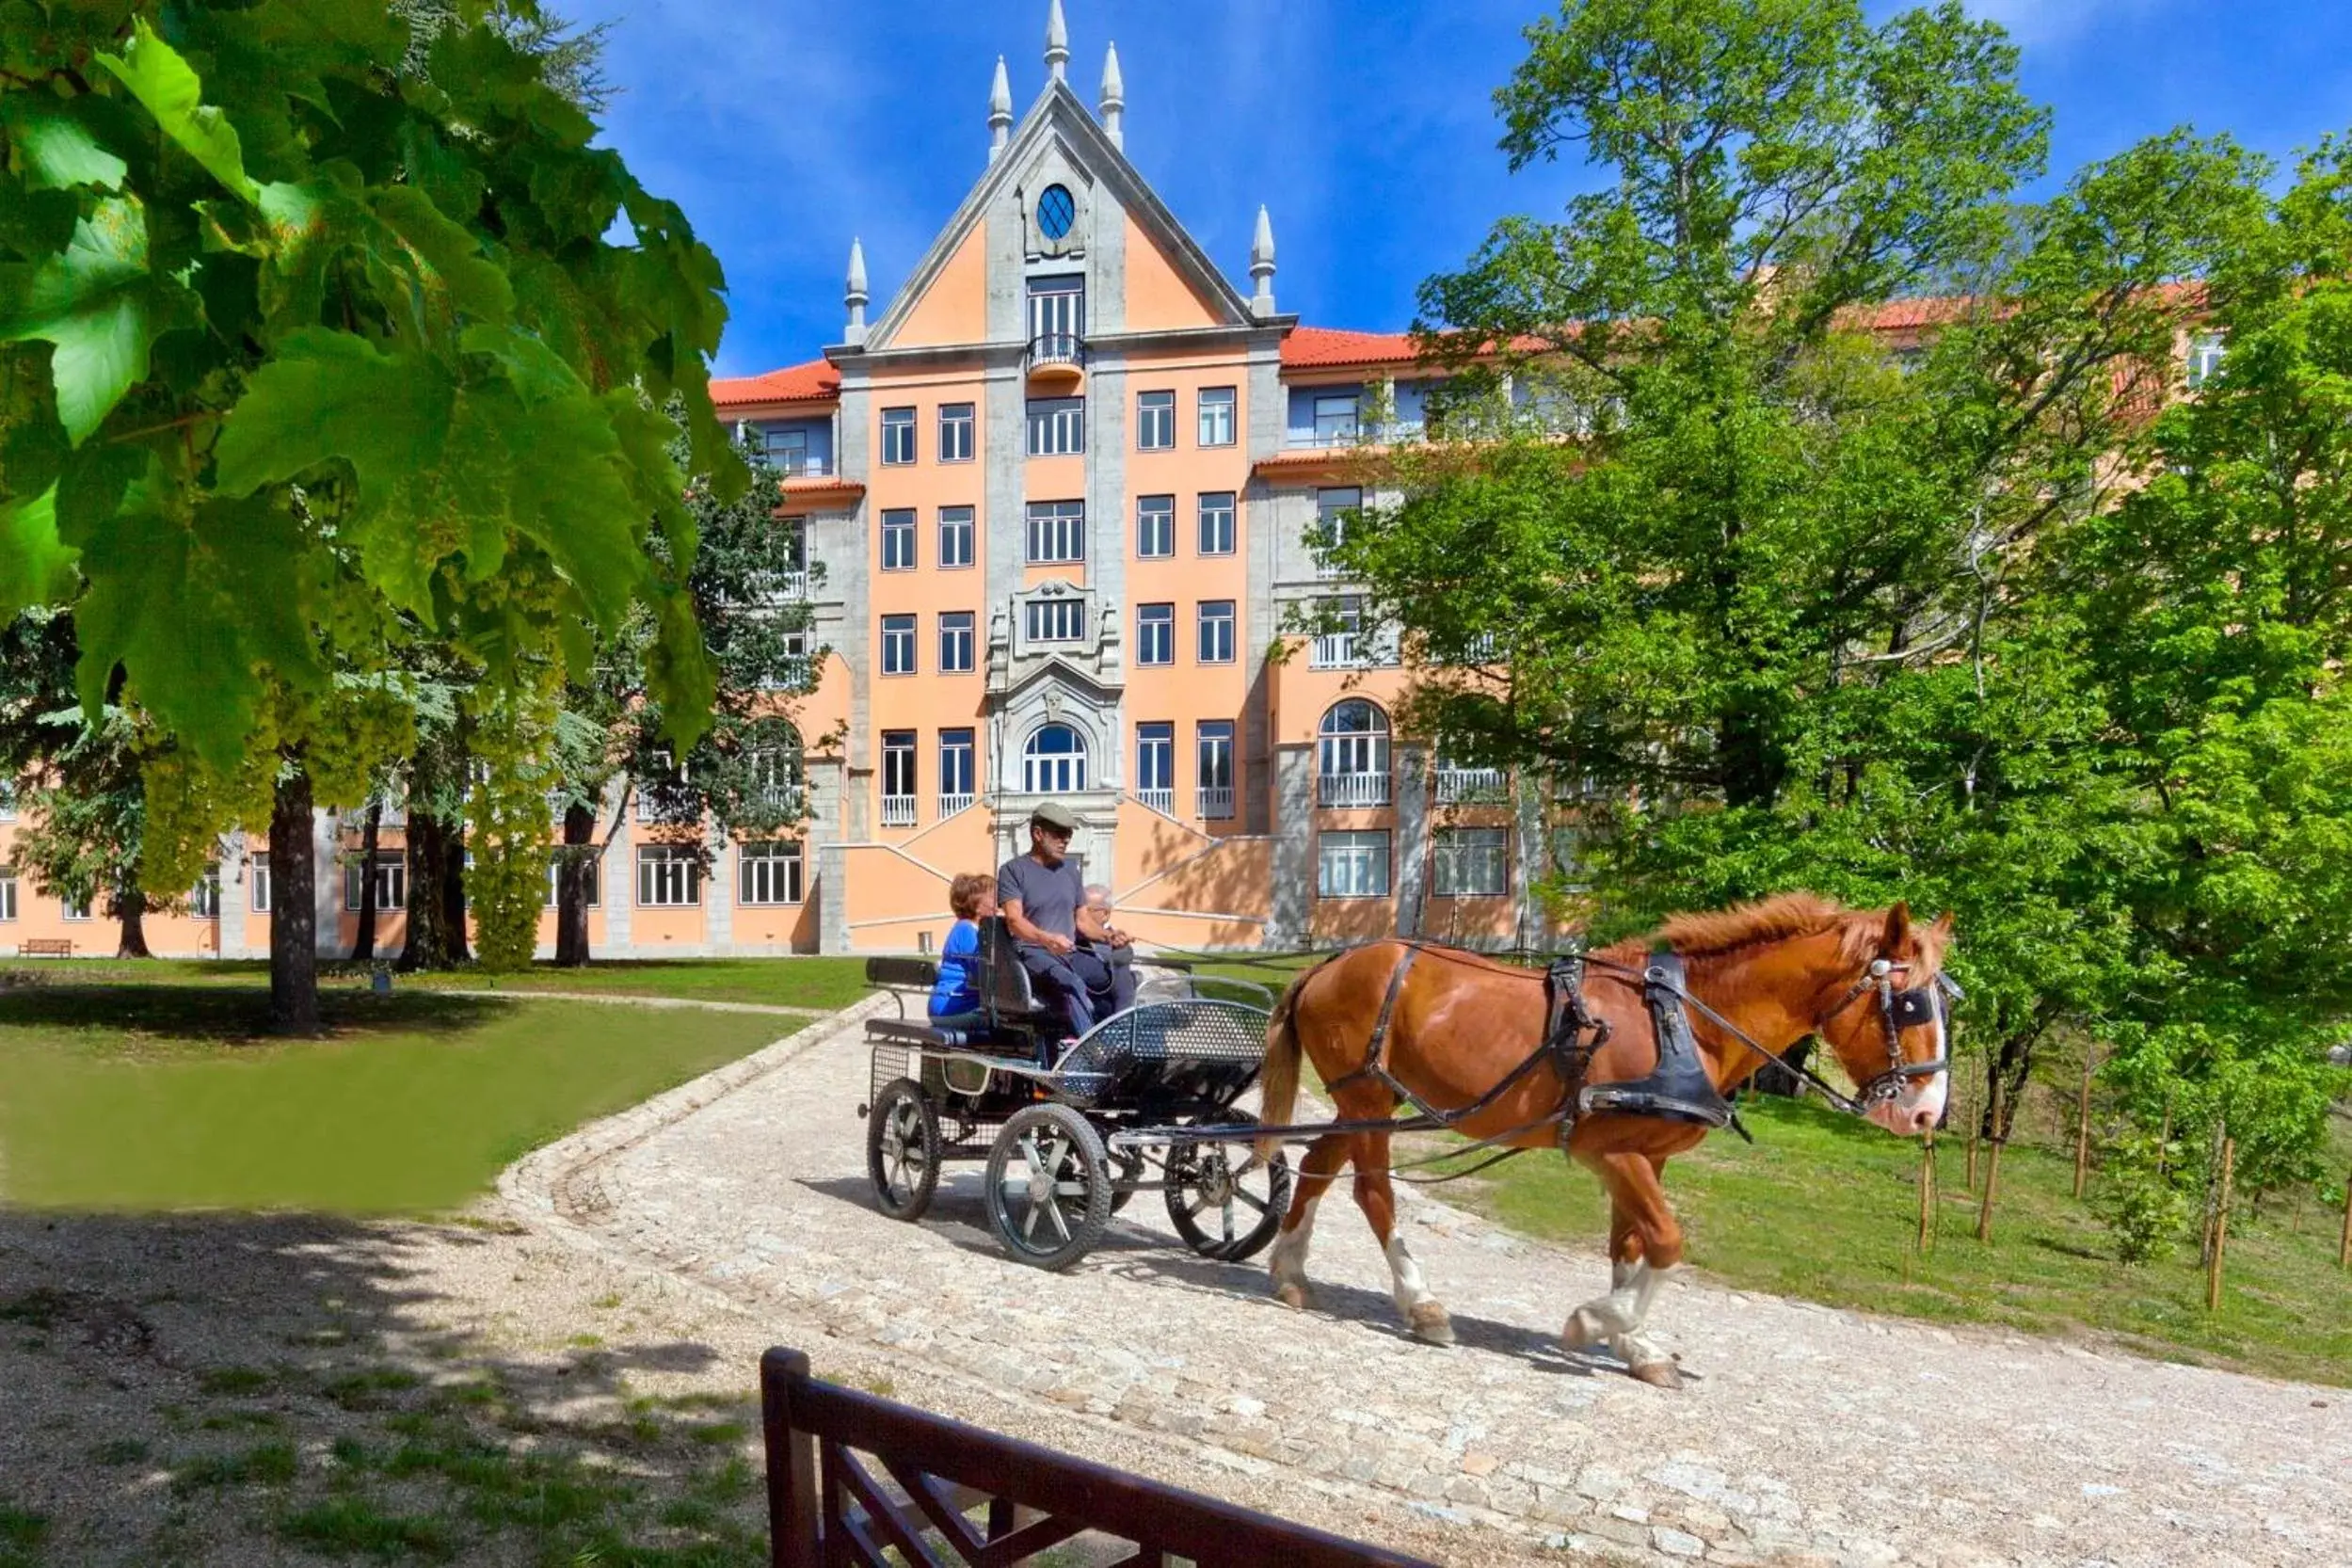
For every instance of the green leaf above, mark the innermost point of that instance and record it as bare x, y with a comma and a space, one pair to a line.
186, 605
476, 287
334, 396
35, 567
98, 303
59, 150
168, 88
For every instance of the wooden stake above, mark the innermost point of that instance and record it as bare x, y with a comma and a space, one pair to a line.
2082, 1123
1926, 1193
1992, 1172
2343, 1248
1970, 1182
2221, 1228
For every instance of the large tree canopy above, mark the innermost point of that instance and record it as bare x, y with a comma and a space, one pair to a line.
323, 336
1823, 530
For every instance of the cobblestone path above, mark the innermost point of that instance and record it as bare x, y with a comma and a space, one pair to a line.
1806, 1436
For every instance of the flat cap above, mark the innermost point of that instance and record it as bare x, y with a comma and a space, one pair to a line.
1055, 815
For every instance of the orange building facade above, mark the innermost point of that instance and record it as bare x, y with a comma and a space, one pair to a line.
1058, 499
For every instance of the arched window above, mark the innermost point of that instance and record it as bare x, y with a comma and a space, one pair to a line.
1054, 761
773, 768
1351, 755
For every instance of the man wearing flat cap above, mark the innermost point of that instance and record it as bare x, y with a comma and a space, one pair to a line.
1062, 943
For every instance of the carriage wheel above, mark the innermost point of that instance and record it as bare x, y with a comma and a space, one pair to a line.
1225, 1199
1049, 1186
902, 1149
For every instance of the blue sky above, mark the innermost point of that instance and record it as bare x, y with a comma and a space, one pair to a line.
785, 126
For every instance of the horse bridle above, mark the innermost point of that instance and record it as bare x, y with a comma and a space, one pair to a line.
1911, 1008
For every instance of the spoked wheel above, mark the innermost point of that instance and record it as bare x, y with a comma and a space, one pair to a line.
902, 1149
1225, 1199
1048, 1186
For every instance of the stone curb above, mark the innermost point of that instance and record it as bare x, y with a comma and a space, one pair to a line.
532, 1182
609, 1000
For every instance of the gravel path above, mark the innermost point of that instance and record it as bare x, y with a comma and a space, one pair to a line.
1806, 1436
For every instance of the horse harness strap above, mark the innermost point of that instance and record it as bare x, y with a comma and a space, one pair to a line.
1678, 1088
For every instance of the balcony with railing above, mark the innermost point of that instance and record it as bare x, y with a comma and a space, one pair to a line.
1465, 786
1055, 359
1159, 800
950, 805
1353, 788
1215, 801
898, 810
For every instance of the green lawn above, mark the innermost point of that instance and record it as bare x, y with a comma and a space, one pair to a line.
1827, 1208
167, 1096
822, 984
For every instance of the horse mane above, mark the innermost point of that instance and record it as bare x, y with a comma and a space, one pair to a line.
1711, 934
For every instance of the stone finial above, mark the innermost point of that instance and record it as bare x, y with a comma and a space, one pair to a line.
853, 295
1000, 111
1113, 99
1057, 41
1262, 266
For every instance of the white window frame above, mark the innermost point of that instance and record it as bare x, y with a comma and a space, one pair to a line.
901, 778
1155, 634
1217, 412
1056, 535
72, 909
257, 883
595, 896
1155, 421
1336, 425
958, 634
771, 873
669, 876
957, 428
1220, 648
1219, 526
1053, 620
1155, 527
392, 882
1054, 773
1346, 757
958, 538
959, 766
204, 898
1470, 862
2205, 353
1057, 426
1212, 763
1330, 524
898, 540
898, 437
7, 893
898, 645
1353, 863
1155, 758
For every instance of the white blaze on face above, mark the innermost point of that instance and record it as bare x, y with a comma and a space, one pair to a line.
1919, 1105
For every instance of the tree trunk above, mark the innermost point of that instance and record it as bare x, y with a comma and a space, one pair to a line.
1771, 1080
130, 907
363, 944
428, 936
294, 911
454, 894
2011, 1065
572, 871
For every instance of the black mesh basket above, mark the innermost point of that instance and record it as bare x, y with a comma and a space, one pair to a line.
1166, 1058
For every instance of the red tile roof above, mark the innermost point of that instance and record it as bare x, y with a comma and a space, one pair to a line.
803, 383
1321, 348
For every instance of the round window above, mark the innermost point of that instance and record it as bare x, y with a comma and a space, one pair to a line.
1056, 211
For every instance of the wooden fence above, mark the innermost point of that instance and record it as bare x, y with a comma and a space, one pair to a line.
828, 1508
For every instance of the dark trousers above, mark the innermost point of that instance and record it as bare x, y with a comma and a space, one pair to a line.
1082, 988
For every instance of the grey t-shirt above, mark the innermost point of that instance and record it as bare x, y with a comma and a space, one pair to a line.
1049, 897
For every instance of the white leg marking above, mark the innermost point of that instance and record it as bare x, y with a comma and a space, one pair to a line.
1290, 1259
1405, 1271
1615, 1320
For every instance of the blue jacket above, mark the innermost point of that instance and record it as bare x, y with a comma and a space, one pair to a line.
958, 990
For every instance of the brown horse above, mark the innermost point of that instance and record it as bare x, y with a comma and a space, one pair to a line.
1459, 1025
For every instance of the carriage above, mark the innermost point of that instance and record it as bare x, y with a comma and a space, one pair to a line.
1070, 1130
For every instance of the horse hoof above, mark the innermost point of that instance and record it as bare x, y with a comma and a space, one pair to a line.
1292, 1296
1658, 1374
1431, 1325
1577, 1337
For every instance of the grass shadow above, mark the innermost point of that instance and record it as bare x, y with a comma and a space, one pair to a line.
223, 1015
188, 1388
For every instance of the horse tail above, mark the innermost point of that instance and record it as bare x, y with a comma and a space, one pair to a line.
1279, 1079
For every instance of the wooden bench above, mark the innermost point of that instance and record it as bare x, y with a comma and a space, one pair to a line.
45, 947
